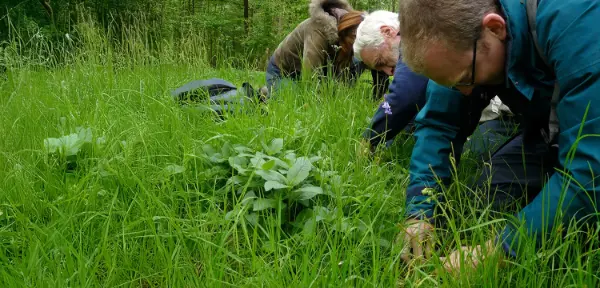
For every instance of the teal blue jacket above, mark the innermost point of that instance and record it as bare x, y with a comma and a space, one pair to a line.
570, 40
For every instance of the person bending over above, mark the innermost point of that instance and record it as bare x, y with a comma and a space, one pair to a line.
321, 45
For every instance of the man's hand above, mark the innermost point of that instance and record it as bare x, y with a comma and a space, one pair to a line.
418, 238
470, 256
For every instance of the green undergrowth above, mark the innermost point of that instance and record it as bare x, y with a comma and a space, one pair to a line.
106, 181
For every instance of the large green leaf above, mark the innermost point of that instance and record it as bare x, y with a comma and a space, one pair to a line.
268, 165
290, 157
239, 163
249, 198
52, 145
279, 162
84, 134
257, 161
231, 215
69, 145
309, 226
252, 218
270, 185
217, 158
315, 159
299, 171
174, 169
304, 215
275, 147
322, 213
241, 149
270, 175
308, 219
101, 142
237, 180
305, 193
226, 150
212, 154
262, 204
208, 150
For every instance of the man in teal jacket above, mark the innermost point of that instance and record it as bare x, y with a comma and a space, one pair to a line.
462, 44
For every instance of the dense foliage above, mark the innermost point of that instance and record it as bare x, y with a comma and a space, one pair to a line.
220, 31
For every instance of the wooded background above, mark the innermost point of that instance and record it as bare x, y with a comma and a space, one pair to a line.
238, 33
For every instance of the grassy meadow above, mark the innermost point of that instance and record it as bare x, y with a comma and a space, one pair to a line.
107, 182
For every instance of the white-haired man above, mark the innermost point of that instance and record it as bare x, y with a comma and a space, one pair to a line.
377, 41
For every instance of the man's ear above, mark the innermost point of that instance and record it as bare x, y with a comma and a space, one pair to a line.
496, 24
388, 31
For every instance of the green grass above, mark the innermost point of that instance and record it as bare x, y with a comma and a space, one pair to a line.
134, 227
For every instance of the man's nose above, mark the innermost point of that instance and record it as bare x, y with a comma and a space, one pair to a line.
389, 71
467, 90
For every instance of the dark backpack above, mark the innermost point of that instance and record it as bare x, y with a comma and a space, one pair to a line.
215, 95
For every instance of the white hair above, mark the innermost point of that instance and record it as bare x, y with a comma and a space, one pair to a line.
368, 33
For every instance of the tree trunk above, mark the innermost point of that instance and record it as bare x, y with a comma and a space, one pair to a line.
48, 8
246, 16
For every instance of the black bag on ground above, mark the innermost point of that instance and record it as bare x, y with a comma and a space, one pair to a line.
214, 94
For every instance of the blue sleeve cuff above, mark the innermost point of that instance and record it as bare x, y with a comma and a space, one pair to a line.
421, 202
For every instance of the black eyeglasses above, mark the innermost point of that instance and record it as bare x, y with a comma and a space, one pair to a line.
473, 68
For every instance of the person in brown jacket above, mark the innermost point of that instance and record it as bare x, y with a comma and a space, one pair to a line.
325, 39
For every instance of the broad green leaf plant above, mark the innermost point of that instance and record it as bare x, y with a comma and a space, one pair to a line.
274, 183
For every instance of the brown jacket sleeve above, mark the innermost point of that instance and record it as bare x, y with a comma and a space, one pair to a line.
315, 52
